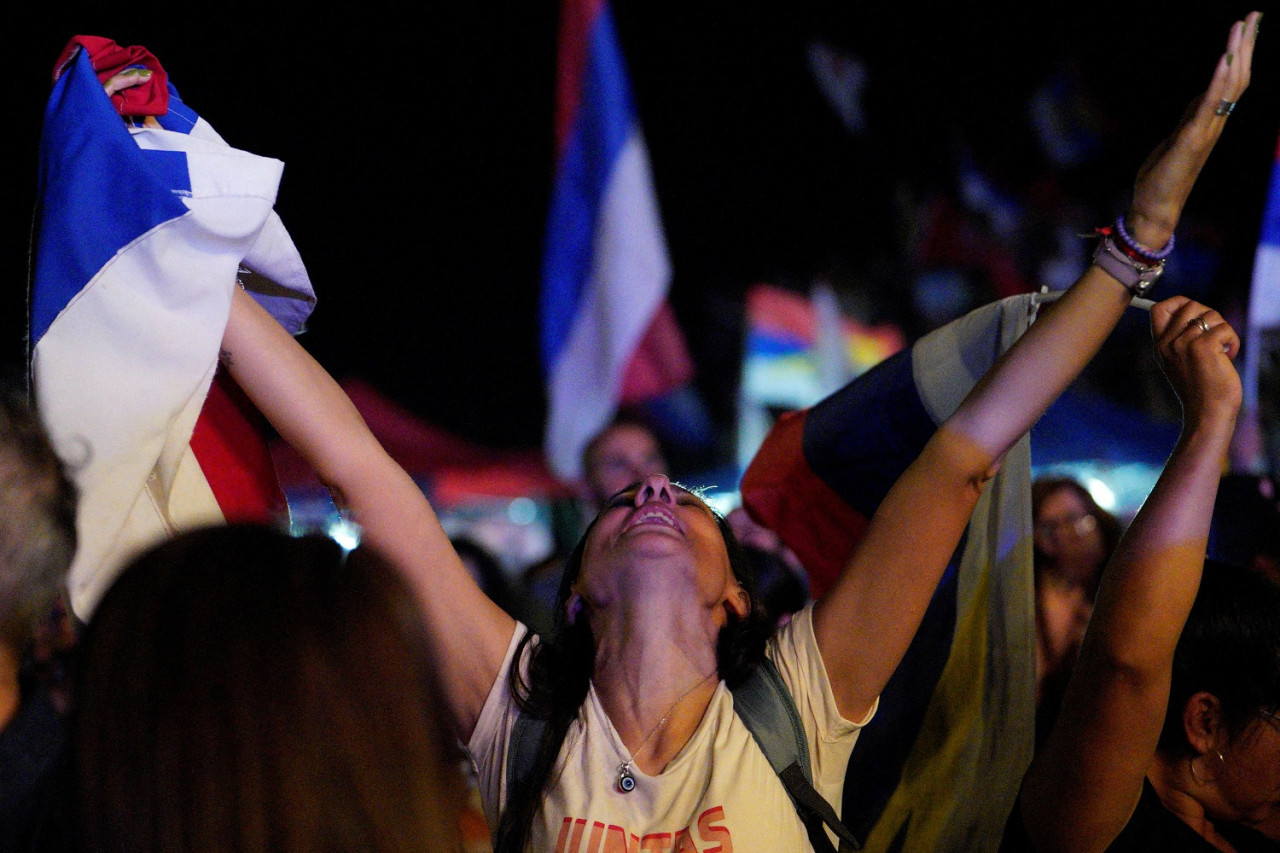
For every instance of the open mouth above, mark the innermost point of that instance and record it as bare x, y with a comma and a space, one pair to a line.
653, 515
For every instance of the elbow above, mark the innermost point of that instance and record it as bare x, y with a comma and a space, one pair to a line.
961, 460
979, 480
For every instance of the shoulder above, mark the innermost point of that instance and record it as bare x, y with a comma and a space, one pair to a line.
794, 650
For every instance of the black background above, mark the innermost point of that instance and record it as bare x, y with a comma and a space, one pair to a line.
418, 156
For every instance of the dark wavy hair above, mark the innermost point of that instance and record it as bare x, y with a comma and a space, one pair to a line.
1230, 647
560, 668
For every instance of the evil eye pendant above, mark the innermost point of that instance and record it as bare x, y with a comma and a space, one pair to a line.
626, 782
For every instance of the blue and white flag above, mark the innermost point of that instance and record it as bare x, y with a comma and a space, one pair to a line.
605, 270
141, 231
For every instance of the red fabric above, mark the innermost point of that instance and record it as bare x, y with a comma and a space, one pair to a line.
453, 469
951, 238
230, 444
150, 98
781, 492
781, 312
577, 17
660, 364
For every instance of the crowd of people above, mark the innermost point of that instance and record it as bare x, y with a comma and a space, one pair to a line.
241, 688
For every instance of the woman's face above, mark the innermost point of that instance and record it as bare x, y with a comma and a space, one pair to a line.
1067, 532
655, 535
1250, 776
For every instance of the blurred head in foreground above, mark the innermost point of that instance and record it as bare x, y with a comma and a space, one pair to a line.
243, 689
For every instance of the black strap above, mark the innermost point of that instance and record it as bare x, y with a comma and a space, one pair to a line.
522, 751
816, 812
765, 705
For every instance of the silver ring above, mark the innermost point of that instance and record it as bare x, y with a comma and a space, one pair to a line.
1224, 107
1204, 327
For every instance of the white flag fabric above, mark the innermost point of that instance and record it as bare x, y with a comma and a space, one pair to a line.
141, 231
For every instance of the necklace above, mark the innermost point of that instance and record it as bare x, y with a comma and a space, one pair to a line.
627, 781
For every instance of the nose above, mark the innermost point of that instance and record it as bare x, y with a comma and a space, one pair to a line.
655, 487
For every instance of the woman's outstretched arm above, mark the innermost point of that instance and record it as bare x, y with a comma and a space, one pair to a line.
1084, 783
868, 618
469, 633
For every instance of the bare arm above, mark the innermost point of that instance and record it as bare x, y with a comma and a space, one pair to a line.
310, 410
1084, 784
868, 618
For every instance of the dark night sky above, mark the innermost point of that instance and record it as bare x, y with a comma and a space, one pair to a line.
418, 156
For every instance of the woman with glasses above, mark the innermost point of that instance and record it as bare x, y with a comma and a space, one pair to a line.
1073, 538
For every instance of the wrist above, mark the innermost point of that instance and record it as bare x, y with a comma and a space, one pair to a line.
1209, 426
1138, 275
1142, 239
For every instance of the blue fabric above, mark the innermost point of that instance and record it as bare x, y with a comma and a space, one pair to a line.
84, 149
599, 131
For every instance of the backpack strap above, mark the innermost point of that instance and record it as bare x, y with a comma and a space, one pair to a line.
522, 752
765, 705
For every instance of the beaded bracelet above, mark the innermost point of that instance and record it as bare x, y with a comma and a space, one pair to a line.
1136, 249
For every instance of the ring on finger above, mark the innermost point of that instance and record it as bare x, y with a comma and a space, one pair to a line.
1224, 108
1199, 321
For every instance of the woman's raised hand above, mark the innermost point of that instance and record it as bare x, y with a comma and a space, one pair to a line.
1166, 178
1196, 349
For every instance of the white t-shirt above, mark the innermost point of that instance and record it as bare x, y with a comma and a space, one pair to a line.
718, 794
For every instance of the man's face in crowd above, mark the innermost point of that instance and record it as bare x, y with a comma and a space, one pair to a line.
624, 454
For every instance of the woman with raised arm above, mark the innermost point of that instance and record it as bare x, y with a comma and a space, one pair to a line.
1108, 778
643, 748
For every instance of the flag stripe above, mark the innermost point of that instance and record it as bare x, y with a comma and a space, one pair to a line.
605, 269
1264, 291
603, 127
140, 235
627, 263
83, 143
576, 22
237, 464
782, 491
863, 436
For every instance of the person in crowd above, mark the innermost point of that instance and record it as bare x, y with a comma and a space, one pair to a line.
1168, 737
620, 454
37, 543
244, 689
624, 451
1072, 538
780, 576
657, 618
